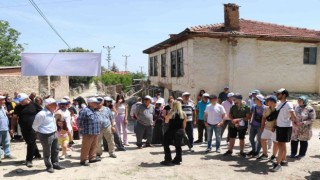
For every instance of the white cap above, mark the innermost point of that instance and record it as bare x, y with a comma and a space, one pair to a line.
185, 93
92, 100
230, 94
226, 87
63, 101
280, 90
179, 98
66, 98
2, 97
22, 96
108, 99
205, 95
160, 101
148, 97
260, 97
49, 101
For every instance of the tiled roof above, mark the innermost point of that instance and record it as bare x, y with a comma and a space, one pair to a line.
249, 27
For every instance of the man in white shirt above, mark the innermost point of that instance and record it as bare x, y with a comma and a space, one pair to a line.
214, 118
4, 130
284, 127
158, 98
45, 126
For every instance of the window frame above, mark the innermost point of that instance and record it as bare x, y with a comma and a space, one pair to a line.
180, 68
173, 65
307, 55
163, 65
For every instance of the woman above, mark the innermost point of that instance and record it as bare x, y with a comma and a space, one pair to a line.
122, 117
302, 127
200, 95
38, 100
158, 120
168, 107
81, 103
267, 128
175, 124
117, 138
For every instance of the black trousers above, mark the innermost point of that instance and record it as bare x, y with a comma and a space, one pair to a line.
29, 135
202, 127
189, 132
303, 147
168, 138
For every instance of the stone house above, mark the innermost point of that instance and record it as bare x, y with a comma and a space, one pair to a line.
12, 81
243, 54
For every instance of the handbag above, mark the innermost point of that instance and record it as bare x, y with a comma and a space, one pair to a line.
274, 115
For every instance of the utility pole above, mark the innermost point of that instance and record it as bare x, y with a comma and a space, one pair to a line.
109, 48
141, 69
126, 62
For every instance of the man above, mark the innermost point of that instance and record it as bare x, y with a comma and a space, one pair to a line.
45, 126
201, 107
158, 98
227, 104
239, 115
4, 130
144, 113
32, 96
256, 120
214, 119
24, 113
284, 127
107, 129
189, 109
134, 107
89, 125
223, 95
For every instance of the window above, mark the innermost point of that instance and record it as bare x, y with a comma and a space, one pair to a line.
310, 55
174, 64
180, 62
153, 66
177, 63
163, 65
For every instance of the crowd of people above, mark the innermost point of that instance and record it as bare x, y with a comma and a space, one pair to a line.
100, 121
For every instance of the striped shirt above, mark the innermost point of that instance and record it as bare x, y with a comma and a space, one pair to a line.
188, 108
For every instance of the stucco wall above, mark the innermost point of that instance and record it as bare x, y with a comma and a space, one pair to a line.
61, 88
11, 84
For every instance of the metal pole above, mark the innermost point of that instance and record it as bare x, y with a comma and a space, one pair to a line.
126, 61
109, 48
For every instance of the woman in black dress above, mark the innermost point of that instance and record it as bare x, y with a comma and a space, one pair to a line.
174, 134
158, 120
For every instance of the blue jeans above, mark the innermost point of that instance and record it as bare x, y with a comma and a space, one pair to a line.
256, 145
217, 131
4, 136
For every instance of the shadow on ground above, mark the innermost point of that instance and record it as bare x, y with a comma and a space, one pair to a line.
315, 175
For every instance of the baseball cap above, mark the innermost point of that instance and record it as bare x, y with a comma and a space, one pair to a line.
282, 91
108, 99
213, 97
49, 101
230, 94
2, 97
93, 100
148, 97
66, 98
226, 87
205, 95
272, 98
99, 99
237, 96
159, 102
22, 96
256, 91
260, 97
63, 101
179, 99
185, 94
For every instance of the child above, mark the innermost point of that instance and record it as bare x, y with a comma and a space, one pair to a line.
63, 135
74, 117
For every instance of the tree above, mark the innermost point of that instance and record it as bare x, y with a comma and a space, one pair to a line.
114, 67
75, 81
10, 49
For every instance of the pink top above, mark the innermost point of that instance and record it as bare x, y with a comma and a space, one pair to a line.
62, 134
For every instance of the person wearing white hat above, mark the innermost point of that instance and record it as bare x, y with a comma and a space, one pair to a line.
256, 120
45, 126
201, 107
227, 104
4, 129
189, 108
25, 113
90, 125
63, 109
158, 98
144, 114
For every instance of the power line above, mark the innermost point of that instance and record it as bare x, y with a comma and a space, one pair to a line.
48, 22
42, 3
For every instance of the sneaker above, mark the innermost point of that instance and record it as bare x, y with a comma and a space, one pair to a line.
166, 163
276, 168
198, 141
58, 167
62, 157
284, 163
112, 155
228, 153
84, 163
242, 154
50, 170
176, 162
251, 153
29, 164
272, 158
263, 157
218, 151
208, 150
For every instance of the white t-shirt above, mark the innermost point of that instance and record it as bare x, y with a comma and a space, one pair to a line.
67, 117
155, 99
215, 113
283, 119
227, 106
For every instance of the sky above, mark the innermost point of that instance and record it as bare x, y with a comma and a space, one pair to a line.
134, 25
